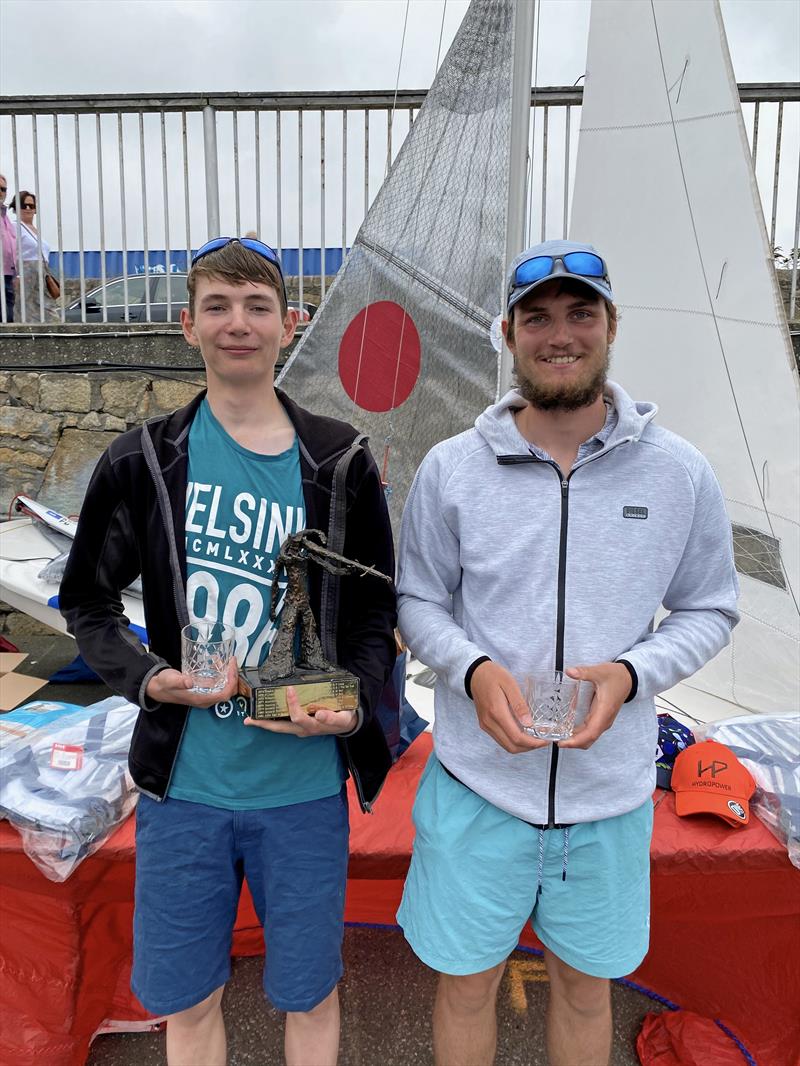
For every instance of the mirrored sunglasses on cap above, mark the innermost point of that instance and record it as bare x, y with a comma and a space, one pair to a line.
584, 264
259, 247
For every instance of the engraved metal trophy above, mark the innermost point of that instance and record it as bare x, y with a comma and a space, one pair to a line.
314, 679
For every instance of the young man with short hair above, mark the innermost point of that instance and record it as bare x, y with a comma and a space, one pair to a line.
547, 538
199, 502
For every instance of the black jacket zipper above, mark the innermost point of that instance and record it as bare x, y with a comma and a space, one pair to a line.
514, 460
560, 626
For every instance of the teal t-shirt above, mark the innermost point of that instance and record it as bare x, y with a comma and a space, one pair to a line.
240, 506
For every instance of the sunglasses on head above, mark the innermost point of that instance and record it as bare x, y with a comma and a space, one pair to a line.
585, 264
250, 243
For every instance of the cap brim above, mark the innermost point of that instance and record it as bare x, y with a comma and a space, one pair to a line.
712, 803
597, 284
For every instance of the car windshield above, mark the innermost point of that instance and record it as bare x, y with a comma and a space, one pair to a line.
177, 289
115, 292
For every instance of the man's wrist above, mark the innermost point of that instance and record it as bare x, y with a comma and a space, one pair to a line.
146, 701
633, 676
471, 670
359, 721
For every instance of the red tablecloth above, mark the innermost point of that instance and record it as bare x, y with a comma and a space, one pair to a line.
725, 927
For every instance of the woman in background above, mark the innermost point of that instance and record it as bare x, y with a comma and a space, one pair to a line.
30, 308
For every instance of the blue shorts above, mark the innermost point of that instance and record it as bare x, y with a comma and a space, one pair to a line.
190, 862
472, 884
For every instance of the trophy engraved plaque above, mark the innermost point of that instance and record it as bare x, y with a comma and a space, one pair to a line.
315, 680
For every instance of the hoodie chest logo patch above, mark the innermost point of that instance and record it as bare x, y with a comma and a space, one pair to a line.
634, 512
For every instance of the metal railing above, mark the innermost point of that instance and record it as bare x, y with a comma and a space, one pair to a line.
129, 185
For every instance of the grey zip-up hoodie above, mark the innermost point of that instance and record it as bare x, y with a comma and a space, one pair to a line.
501, 556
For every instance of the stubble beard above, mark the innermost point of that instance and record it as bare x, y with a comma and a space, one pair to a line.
564, 397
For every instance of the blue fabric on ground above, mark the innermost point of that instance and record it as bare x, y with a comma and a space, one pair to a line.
74, 673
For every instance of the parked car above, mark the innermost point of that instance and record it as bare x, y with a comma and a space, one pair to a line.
306, 313
160, 309
137, 285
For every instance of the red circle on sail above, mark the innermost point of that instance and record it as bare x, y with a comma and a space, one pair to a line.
379, 356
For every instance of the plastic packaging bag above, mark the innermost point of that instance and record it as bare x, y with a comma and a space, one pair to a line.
64, 780
769, 746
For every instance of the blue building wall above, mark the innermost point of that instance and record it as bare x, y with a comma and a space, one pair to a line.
157, 262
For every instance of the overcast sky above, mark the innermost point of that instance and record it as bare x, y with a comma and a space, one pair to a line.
147, 46
101, 46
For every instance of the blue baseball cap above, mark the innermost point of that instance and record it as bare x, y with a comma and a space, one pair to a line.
557, 259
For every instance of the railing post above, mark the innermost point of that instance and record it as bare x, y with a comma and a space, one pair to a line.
795, 250
520, 113
212, 171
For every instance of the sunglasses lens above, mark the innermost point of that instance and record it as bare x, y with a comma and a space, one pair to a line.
210, 246
533, 270
585, 264
261, 249
258, 247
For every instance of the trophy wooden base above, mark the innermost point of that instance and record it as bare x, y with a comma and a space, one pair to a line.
336, 689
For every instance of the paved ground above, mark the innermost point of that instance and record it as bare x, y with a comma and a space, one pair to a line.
386, 993
386, 997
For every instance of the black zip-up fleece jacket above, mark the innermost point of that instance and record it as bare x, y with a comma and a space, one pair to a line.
132, 522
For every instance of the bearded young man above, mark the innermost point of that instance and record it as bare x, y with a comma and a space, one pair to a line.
547, 538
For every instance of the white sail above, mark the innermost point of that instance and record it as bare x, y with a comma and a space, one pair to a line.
400, 345
665, 189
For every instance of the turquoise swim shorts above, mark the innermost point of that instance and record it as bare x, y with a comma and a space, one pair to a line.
478, 874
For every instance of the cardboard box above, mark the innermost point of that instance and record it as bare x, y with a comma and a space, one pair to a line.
15, 688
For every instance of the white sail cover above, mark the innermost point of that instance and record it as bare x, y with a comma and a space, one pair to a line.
400, 346
665, 190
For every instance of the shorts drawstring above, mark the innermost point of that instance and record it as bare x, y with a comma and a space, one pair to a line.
566, 854
540, 867
540, 871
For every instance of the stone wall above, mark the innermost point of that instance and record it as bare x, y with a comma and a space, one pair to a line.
55, 426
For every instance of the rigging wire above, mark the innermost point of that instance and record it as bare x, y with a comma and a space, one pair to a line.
406, 295
390, 427
533, 109
442, 157
473, 254
681, 710
385, 175
711, 304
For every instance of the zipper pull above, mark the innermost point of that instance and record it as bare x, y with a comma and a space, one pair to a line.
564, 485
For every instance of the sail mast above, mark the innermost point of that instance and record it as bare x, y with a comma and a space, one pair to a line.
524, 13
